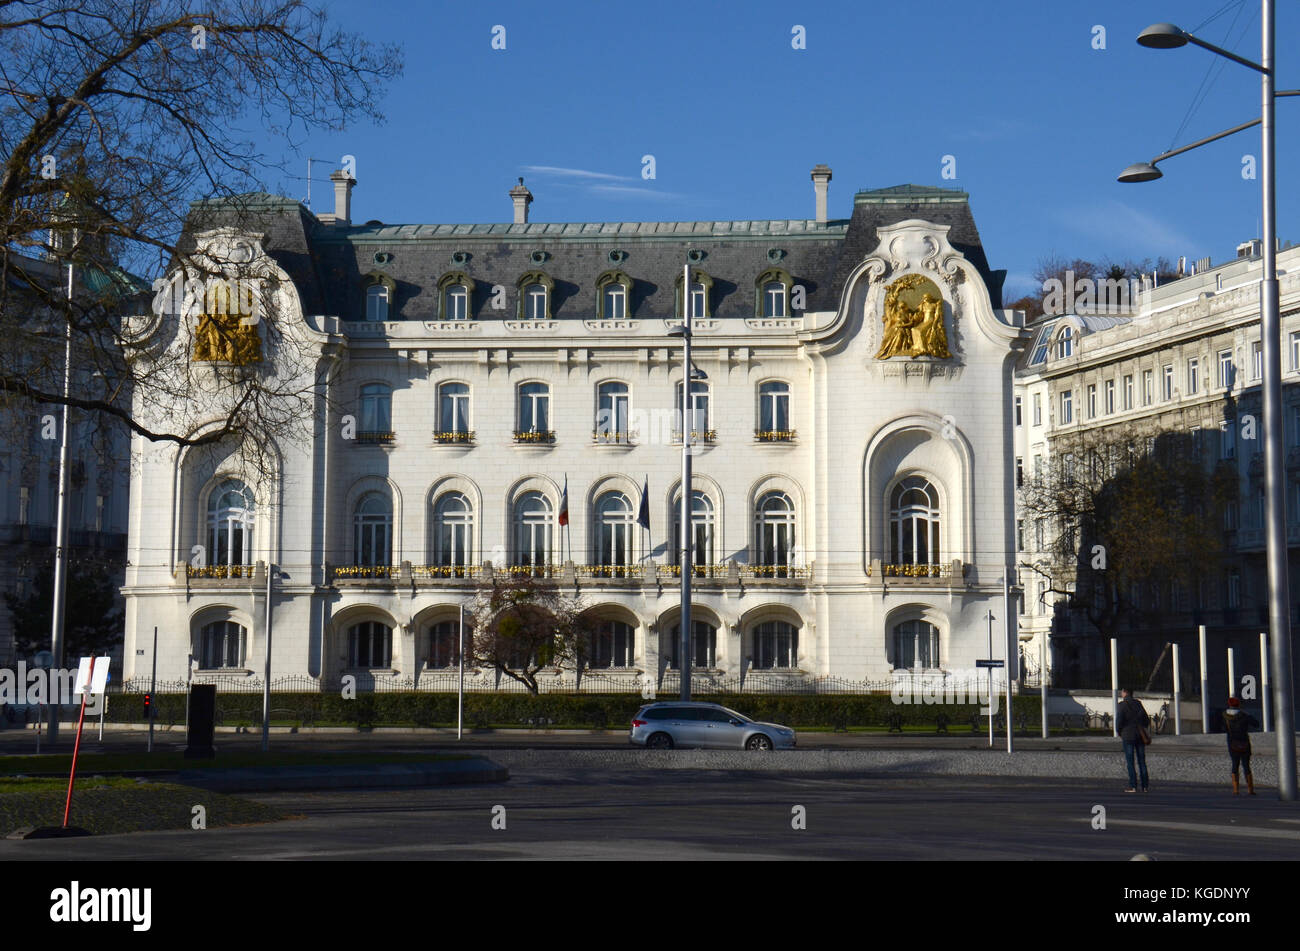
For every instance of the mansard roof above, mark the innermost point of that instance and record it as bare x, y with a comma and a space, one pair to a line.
331, 263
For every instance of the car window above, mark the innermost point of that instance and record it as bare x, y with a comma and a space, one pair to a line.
685, 713
718, 716
657, 713
739, 716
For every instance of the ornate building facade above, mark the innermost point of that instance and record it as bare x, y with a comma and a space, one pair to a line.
501, 398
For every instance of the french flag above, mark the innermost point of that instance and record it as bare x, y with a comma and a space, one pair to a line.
564, 503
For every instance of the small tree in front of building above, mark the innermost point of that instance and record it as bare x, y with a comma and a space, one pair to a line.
522, 625
93, 621
1128, 519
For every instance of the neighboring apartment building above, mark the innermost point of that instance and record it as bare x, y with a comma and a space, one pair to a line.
483, 384
29, 472
1186, 359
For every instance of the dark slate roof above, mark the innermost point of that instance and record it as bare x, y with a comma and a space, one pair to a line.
330, 263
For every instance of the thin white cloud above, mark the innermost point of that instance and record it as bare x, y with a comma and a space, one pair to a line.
1135, 232
628, 191
582, 173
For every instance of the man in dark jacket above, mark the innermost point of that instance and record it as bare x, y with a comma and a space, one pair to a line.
1132, 722
1237, 725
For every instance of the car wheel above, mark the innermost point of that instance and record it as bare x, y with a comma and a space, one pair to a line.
659, 741
759, 741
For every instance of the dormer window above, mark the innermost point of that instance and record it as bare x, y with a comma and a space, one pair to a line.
454, 296
377, 302
701, 285
613, 288
773, 287
1065, 343
535, 296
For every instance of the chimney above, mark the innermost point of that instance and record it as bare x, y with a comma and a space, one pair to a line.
821, 176
522, 198
343, 185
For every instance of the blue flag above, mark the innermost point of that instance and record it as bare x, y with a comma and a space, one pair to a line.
643, 516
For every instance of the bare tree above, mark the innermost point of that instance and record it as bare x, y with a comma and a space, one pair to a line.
1121, 514
116, 116
522, 625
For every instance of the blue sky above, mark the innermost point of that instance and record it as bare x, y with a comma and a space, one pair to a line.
1038, 121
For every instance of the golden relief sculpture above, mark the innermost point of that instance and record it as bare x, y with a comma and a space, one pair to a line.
227, 334
913, 320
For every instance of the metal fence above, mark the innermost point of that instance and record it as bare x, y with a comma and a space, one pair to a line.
589, 683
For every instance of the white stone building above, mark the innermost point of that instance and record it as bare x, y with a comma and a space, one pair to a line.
853, 513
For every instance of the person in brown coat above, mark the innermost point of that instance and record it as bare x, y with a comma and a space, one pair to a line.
1237, 725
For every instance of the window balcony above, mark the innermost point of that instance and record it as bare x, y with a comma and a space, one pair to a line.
775, 435
365, 572
532, 571
535, 436
375, 437
775, 572
947, 574
610, 437
698, 436
217, 572
445, 572
609, 571
703, 572
453, 437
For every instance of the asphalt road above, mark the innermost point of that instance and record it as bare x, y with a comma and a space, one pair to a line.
557, 813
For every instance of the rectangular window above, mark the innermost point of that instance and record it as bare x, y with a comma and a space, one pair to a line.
1148, 387
1193, 376
1019, 406
1295, 424
1038, 466
1228, 440
1295, 350
1020, 471
1092, 400
1038, 409
1234, 590
1067, 407
1110, 397
1227, 370
1020, 534
1230, 516
1167, 382
1039, 535
1257, 360
1128, 391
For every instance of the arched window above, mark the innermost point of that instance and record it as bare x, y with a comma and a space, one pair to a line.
702, 531
614, 299
377, 302
773, 408
373, 536
612, 645
773, 293
222, 644
697, 413
376, 410
444, 644
774, 533
534, 301
453, 517
699, 301
775, 645
773, 299
370, 644
615, 520
914, 523
613, 411
453, 409
230, 524
455, 302
534, 527
916, 644
1065, 343
704, 645
534, 415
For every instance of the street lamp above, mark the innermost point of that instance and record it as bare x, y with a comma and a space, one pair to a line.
1168, 36
684, 622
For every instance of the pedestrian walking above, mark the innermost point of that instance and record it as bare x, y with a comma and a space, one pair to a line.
1133, 724
1237, 725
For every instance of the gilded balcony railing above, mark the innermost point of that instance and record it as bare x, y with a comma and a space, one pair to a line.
611, 436
535, 435
531, 571
698, 435
914, 571
454, 436
775, 435
697, 571
774, 571
366, 571
446, 571
219, 571
375, 436
609, 571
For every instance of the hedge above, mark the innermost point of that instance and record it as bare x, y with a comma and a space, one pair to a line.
599, 711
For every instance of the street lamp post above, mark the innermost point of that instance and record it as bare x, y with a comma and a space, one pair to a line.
271, 572
684, 622
1168, 36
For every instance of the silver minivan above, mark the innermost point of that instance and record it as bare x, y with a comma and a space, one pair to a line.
663, 726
